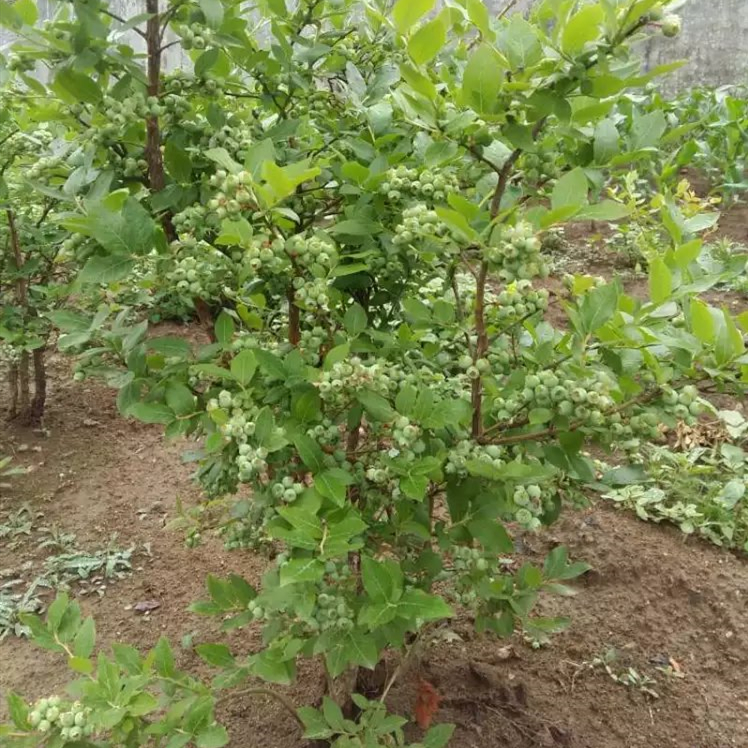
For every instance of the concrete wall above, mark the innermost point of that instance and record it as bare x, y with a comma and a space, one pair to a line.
714, 41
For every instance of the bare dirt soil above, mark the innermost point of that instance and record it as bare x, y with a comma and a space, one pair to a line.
676, 610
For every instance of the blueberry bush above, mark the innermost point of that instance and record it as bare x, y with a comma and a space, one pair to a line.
353, 198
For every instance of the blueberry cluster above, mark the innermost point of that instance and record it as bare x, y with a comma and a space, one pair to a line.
518, 301
196, 36
267, 255
236, 138
539, 167
287, 489
402, 183
232, 197
200, 271
52, 714
344, 378
529, 503
40, 171
585, 401
516, 255
419, 222
315, 252
467, 450
470, 566
311, 294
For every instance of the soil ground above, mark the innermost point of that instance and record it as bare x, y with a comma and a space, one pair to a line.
658, 599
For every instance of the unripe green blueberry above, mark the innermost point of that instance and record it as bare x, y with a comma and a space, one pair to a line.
532, 381
671, 25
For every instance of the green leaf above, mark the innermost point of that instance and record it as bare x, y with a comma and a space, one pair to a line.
625, 475
333, 714
607, 210
27, 10
264, 426
315, 725
306, 406
702, 321
519, 42
438, 736
81, 665
19, 711
214, 736
151, 412
355, 647
582, 27
56, 611
163, 658
376, 405
517, 471
310, 452
336, 355
407, 12
69, 321
598, 307
225, 328
301, 570
218, 655
648, 129
478, 15
170, 346
606, 143
570, 190
333, 484
221, 157
106, 270
243, 366
75, 87
428, 41
555, 562
660, 281
142, 703
180, 399
128, 232
127, 657
177, 162
85, 639
383, 580
482, 80
416, 603
270, 363
355, 319
492, 535
406, 399
213, 12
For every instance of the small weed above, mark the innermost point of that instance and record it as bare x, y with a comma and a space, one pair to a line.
90, 570
13, 604
18, 524
624, 676
702, 491
56, 538
90, 567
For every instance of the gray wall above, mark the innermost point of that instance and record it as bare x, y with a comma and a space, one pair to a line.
714, 41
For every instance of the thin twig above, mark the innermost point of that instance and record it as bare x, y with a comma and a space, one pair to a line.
121, 20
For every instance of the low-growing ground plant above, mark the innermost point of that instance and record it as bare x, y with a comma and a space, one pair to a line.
702, 491
354, 205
